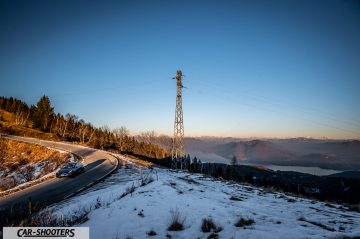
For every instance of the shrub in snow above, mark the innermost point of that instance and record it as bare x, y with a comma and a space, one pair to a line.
97, 203
176, 221
213, 235
27, 172
208, 225
128, 190
234, 198
146, 180
47, 218
242, 222
291, 200
151, 233
141, 214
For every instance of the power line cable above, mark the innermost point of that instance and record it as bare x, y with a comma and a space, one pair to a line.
232, 100
272, 101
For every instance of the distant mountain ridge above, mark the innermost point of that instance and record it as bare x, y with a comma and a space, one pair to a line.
347, 174
255, 150
329, 154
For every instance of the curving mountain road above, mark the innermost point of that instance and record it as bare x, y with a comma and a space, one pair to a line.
98, 164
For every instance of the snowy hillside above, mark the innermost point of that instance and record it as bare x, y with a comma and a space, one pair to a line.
120, 207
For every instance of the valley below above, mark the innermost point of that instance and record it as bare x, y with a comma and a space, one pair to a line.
313, 156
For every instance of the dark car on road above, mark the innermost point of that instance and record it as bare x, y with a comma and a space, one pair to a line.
71, 169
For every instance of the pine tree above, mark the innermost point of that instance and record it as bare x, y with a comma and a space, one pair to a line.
234, 160
43, 113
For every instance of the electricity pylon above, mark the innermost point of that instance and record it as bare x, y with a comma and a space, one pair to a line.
178, 146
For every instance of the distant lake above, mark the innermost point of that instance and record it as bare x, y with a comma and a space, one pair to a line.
300, 169
310, 170
211, 158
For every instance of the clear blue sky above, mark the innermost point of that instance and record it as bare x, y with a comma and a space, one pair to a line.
253, 68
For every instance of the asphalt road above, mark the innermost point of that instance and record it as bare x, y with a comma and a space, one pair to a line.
97, 165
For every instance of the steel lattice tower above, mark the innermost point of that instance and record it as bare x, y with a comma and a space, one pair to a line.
178, 147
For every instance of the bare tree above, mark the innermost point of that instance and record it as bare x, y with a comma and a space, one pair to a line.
120, 134
104, 136
72, 125
164, 141
148, 137
64, 124
68, 125
91, 132
81, 130
22, 116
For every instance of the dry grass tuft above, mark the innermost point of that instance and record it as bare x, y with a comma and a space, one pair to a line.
208, 225
242, 222
151, 233
176, 221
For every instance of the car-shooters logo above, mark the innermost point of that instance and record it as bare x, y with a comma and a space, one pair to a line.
46, 232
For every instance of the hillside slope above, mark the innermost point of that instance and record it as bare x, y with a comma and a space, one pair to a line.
128, 210
8, 126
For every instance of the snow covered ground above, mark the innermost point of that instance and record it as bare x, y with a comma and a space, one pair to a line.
276, 215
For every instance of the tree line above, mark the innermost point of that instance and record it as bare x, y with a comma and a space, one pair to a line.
71, 128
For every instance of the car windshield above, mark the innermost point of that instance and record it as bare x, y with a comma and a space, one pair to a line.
70, 165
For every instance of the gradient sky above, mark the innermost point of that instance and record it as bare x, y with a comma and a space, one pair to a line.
253, 68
